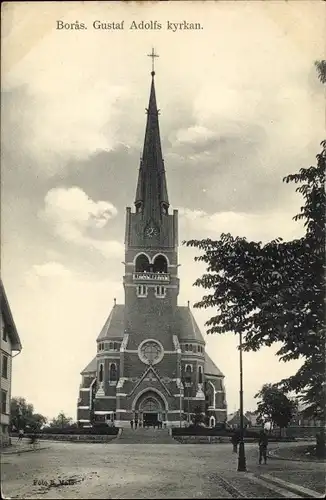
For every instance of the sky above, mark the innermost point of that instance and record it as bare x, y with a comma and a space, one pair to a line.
241, 107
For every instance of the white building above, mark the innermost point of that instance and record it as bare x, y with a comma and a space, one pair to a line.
10, 344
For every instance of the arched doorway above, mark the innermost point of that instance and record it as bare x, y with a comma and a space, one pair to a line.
150, 407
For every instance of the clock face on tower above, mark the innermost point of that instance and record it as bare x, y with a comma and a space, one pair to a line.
151, 231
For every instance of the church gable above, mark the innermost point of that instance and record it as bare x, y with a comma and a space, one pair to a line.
150, 377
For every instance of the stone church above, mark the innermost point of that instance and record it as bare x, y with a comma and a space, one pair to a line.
151, 362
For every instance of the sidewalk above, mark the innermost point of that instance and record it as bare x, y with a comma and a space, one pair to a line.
24, 447
306, 478
296, 454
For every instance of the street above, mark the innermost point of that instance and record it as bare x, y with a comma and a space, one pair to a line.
116, 470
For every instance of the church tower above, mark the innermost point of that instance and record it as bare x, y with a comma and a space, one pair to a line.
151, 363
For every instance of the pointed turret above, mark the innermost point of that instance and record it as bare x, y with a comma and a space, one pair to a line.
151, 195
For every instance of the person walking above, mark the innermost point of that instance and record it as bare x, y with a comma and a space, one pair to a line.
263, 443
234, 441
20, 436
136, 423
33, 439
131, 423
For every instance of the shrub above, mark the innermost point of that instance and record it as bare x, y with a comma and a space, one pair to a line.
98, 429
193, 430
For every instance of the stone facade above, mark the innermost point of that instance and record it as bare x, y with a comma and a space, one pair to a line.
151, 361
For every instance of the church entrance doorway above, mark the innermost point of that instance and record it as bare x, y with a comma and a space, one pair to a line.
150, 419
151, 409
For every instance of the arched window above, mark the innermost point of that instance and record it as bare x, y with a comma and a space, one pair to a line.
186, 347
165, 209
100, 375
218, 384
188, 374
113, 372
111, 346
160, 264
139, 207
115, 346
200, 375
190, 347
142, 264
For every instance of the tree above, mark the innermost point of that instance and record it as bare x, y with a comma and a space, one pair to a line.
61, 421
321, 70
274, 406
38, 421
22, 415
275, 292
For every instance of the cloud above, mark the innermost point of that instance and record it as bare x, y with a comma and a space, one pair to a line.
70, 309
78, 219
51, 269
196, 133
261, 227
48, 271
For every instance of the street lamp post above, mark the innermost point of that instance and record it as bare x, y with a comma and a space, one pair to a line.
180, 403
241, 456
188, 385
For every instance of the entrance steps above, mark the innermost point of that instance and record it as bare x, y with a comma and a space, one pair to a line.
145, 436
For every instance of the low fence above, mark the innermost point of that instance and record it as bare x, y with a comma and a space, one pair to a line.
223, 439
207, 439
303, 432
214, 435
96, 430
193, 430
85, 438
91, 434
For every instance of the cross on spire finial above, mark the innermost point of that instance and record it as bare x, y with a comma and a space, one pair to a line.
153, 55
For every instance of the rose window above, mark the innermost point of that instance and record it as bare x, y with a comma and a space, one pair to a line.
150, 352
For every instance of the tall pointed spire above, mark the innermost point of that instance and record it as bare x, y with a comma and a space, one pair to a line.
151, 194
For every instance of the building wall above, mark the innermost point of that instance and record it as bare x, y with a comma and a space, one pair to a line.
121, 400
5, 383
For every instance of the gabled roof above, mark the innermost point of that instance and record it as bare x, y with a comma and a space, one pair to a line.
187, 327
234, 418
91, 367
9, 320
210, 367
114, 325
